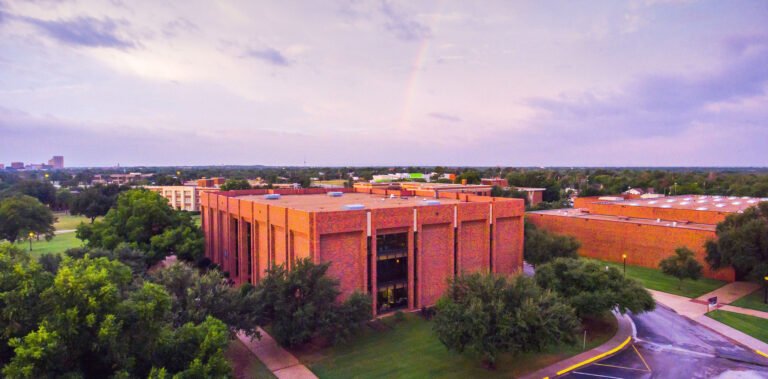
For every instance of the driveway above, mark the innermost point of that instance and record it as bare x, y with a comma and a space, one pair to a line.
671, 346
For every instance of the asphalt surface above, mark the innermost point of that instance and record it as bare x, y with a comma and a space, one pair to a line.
671, 346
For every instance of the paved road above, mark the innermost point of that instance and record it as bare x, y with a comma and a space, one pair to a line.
671, 346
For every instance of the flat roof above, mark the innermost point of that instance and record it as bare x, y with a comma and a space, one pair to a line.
326, 203
576, 213
730, 204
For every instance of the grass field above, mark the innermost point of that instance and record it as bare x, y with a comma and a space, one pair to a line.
656, 280
58, 244
410, 349
754, 326
68, 222
245, 365
755, 300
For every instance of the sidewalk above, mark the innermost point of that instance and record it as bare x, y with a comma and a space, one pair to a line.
730, 292
623, 335
746, 311
282, 363
697, 312
744, 339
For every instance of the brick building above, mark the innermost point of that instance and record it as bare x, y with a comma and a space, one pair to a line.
647, 230
183, 198
534, 195
396, 246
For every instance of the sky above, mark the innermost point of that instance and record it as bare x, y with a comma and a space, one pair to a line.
352, 83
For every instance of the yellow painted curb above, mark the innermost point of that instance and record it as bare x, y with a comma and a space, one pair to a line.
597, 357
761, 353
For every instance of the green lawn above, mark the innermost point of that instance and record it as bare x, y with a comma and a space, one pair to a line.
58, 244
68, 222
755, 300
656, 280
754, 326
409, 349
245, 365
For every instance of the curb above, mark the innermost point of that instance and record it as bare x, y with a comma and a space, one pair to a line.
624, 335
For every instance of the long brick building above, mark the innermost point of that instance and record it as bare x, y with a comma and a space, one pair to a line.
393, 244
646, 230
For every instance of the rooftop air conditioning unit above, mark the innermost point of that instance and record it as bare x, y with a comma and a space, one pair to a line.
335, 194
431, 202
354, 207
272, 196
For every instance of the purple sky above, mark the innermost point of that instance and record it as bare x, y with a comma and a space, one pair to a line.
644, 83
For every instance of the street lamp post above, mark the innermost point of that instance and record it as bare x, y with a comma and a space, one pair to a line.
624, 257
31, 235
765, 297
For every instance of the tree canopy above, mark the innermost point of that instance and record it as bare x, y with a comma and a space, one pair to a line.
235, 184
487, 315
542, 246
195, 296
21, 215
301, 304
682, 265
95, 201
593, 289
144, 220
94, 319
742, 243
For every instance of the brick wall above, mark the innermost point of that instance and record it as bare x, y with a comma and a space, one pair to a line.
645, 245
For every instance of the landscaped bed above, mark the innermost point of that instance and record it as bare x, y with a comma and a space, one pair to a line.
389, 348
656, 280
754, 326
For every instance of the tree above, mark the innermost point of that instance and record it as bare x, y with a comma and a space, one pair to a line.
471, 176
742, 243
22, 281
100, 322
95, 201
301, 304
235, 184
487, 315
542, 246
593, 289
21, 215
682, 265
41, 190
144, 220
197, 296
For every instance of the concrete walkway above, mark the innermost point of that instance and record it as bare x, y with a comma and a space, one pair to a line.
731, 292
625, 331
742, 338
697, 312
281, 362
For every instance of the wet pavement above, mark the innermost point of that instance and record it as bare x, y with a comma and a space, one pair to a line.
671, 346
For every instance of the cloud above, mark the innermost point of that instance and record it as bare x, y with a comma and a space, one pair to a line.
662, 104
402, 26
269, 55
82, 31
444, 117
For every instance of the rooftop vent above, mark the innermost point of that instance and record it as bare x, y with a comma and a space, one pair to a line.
736, 203
701, 208
666, 206
335, 194
431, 202
354, 207
272, 196
720, 205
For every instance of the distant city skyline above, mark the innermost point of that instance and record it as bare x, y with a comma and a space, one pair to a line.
388, 83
